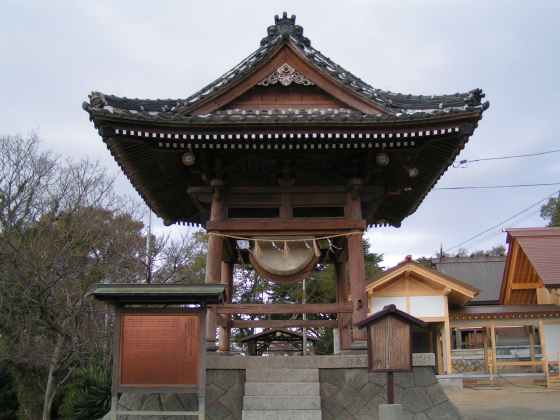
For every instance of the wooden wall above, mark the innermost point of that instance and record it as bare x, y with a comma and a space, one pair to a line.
522, 280
295, 96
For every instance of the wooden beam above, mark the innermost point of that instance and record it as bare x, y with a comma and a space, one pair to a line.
524, 286
282, 308
288, 323
309, 225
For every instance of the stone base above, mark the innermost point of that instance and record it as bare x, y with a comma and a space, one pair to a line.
347, 390
354, 394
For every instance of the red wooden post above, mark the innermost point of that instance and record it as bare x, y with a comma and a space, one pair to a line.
344, 320
356, 269
214, 262
227, 280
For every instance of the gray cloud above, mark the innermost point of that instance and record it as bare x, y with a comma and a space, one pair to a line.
55, 53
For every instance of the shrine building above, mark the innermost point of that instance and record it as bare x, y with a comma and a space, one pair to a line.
286, 160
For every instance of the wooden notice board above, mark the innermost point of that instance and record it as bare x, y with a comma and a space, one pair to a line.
389, 341
160, 349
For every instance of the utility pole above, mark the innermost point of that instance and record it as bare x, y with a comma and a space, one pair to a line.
149, 249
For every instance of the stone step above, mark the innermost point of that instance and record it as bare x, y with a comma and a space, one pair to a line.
282, 415
303, 389
270, 403
282, 375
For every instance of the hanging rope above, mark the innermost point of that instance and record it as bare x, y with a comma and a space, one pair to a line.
255, 239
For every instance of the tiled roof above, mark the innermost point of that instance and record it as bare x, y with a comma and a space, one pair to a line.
159, 293
542, 247
395, 105
506, 311
484, 273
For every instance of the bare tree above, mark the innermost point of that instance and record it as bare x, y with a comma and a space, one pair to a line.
60, 232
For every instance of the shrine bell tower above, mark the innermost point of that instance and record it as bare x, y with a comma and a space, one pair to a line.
286, 160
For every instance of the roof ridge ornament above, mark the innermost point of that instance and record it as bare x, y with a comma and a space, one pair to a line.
285, 75
285, 27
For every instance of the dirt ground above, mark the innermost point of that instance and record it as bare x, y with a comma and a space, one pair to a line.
511, 402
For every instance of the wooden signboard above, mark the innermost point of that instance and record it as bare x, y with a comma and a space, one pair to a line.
159, 349
389, 341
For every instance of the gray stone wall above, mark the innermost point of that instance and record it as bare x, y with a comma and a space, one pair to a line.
224, 394
224, 399
355, 394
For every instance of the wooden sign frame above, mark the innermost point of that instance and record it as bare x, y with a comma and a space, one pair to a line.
117, 387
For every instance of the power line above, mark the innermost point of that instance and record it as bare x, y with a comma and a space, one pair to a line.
465, 161
503, 221
487, 187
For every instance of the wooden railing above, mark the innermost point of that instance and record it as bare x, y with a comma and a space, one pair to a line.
282, 308
226, 310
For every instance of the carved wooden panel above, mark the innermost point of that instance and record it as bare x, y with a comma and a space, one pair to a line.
294, 96
160, 349
389, 345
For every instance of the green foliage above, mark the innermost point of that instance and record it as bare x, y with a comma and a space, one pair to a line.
29, 390
8, 395
88, 396
551, 211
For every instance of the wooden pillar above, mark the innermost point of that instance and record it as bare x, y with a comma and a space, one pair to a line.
439, 351
344, 320
486, 353
356, 271
493, 347
214, 261
543, 352
458, 339
531, 333
446, 346
227, 280
447, 336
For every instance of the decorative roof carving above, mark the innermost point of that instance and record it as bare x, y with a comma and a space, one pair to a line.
285, 27
285, 75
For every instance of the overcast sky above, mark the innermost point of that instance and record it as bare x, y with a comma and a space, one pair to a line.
54, 53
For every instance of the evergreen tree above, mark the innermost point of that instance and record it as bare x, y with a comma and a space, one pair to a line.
551, 211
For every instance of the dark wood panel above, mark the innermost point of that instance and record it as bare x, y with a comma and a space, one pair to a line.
159, 350
265, 97
389, 345
279, 308
400, 345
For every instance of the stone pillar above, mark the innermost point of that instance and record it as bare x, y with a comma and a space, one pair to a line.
214, 261
224, 332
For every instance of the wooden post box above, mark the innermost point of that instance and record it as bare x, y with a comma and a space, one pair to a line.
389, 339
